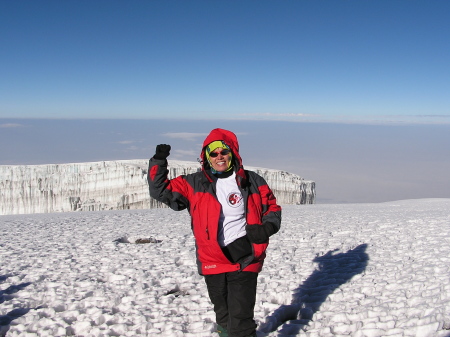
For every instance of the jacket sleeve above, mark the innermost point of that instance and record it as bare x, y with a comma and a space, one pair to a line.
174, 192
271, 211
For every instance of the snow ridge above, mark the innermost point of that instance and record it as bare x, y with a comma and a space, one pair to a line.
112, 185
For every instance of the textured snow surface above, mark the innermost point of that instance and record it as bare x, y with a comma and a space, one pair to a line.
333, 270
112, 185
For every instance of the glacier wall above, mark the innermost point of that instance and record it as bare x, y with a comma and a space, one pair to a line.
108, 185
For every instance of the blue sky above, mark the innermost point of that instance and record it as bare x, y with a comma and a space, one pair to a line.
351, 94
334, 61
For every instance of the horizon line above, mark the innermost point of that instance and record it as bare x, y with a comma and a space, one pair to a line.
286, 119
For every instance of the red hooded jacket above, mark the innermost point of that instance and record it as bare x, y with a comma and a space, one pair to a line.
196, 192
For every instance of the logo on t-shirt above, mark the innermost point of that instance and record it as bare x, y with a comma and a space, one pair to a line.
234, 199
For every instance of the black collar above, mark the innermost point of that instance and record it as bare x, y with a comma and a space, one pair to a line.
224, 174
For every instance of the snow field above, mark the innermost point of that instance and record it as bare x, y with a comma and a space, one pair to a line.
333, 270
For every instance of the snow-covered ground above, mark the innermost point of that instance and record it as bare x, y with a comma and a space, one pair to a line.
333, 270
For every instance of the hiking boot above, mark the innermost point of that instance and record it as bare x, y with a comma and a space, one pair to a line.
222, 331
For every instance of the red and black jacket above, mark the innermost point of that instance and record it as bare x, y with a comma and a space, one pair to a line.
196, 192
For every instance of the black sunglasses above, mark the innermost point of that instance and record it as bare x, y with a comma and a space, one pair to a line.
223, 153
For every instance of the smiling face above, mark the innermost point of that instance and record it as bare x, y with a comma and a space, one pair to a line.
221, 163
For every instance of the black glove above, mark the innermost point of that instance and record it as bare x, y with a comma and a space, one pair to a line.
162, 151
260, 233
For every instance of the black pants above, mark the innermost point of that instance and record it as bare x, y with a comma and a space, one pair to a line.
233, 296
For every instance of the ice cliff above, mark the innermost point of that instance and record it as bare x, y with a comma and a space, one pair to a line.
26, 189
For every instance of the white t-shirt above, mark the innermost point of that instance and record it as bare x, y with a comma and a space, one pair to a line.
232, 216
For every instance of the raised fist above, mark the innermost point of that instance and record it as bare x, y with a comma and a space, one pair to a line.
162, 151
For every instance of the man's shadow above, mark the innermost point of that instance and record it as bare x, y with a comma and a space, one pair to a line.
6, 295
333, 271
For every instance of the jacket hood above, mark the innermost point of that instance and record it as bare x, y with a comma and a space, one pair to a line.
231, 140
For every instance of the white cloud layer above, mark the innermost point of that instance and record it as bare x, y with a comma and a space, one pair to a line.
10, 125
188, 136
185, 153
127, 142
